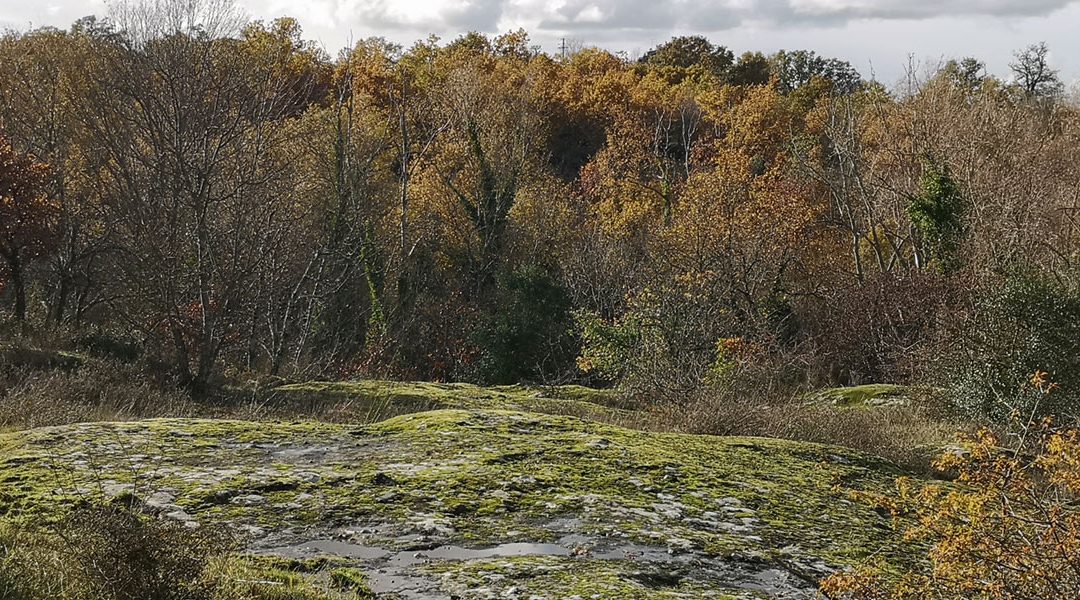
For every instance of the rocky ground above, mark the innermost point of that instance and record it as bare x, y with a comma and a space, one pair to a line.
373, 400
481, 503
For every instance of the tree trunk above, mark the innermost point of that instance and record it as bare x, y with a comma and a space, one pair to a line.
18, 283
183, 359
63, 292
207, 358
20, 292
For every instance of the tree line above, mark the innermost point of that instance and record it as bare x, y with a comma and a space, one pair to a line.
230, 199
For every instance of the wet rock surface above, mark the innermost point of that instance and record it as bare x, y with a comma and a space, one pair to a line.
414, 573
483, 504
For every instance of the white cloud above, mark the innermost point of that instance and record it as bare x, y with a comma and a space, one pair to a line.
881, 33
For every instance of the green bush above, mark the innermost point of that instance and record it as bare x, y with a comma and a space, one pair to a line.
607, 348
529, 337
1030, 324
937, 212
665, 344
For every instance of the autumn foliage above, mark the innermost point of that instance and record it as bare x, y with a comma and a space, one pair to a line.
249, 203
27, 218
1007, 527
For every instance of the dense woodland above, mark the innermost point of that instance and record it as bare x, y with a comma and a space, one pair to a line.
222, 198
205, 208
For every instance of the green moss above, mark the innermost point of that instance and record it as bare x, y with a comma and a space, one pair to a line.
477, 478
10, 440
877, 394
351, 580
373, 400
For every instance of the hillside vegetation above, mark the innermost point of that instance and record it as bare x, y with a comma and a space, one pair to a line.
464, 319
575, 507
476, 210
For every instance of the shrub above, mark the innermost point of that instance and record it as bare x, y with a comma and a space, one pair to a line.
112, 553
607, 347
529, 338
105, 344
869, 332
1031, 323
664, 344
675, 341
1009, 530
19, 356
108, 553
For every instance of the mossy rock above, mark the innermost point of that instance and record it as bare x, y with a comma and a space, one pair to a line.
483, 503
375, 400
863, 396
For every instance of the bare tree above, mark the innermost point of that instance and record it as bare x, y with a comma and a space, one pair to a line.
1033, 73
188, 118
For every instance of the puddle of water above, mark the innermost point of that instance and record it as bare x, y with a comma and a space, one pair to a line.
565, 547
331, 547
392, 572
408, 558
635, 552
781, 584
500, 551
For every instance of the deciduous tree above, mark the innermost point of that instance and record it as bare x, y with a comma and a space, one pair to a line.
27, 219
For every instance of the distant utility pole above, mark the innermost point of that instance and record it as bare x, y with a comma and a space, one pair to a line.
562, 48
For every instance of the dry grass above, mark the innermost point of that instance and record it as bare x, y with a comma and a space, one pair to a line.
96, 391
35, 392
107, 553
907, 435
113, 553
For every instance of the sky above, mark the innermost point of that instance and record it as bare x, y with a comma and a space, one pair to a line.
881, 38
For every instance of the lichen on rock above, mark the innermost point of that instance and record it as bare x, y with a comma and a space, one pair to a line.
483, 503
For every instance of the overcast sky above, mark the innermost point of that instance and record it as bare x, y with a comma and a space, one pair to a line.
877, 36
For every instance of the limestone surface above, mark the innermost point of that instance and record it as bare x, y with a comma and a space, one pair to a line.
479, 503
